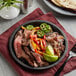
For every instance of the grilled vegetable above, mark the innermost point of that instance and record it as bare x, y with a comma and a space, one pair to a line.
33, 36
36, 41
23, 27
36, 28
42, 46
45, 27
34, 45
44, 43
40, 33
29, 27
44, 37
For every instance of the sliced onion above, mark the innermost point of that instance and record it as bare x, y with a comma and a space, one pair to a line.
31, 45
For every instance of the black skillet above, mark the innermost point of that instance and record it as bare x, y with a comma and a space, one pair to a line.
23, 63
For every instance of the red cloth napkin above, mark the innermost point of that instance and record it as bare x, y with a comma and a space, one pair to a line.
37, 15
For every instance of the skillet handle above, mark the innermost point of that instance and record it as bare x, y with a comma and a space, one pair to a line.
61, 68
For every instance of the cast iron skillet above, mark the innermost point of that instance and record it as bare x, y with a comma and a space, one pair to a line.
23, 63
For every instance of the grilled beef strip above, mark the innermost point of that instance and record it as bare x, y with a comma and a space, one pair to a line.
20, 33
28, 52
39, 60
25, 39
19, 51
17, 43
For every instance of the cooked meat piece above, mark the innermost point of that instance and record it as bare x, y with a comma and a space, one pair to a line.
25, 42
61, 47
35, 64
39, 60
28, 52
27, 33
56, 41
17, 43
28, 59
25, 39
55, 36
60, 38
52, 36
17, 46
19, 51
19, 33
57, 52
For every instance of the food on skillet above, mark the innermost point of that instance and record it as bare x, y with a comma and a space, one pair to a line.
70, 4
39, 46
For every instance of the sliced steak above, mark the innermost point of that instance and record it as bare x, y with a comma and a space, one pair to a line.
25, 39
27, 33
17, 44
19, 33
28, 52
25, 42
39, 60
19, 51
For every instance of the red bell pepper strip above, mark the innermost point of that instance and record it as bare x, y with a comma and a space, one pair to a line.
43, 48
33, 36
44, 37
36, 41
44, 42
36, 50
